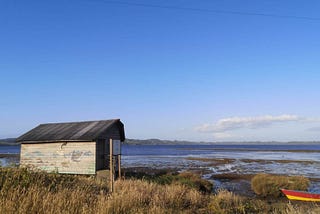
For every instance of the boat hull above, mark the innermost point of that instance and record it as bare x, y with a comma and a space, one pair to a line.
301, 196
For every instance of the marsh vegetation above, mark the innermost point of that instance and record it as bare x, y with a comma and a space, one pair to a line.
24, 191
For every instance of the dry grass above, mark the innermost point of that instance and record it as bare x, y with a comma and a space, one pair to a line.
267, 185
137, 196
226, 202
23, 191
294, 209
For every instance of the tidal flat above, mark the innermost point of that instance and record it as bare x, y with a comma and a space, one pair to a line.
230, 166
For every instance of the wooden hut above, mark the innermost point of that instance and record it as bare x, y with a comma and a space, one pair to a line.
72, 148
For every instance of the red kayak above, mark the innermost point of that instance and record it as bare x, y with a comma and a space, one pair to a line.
300, 195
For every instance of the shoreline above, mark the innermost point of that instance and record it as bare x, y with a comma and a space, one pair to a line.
219, 161
7, 160
9, 155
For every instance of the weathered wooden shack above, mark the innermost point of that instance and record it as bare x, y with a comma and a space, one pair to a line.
72, 148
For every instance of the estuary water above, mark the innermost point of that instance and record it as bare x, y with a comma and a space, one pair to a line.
287, 159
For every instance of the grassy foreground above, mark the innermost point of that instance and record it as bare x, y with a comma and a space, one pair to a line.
22, 191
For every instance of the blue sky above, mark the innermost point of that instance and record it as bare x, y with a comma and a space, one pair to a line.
166, 73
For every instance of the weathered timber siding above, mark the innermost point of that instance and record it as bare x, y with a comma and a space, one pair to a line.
61, 157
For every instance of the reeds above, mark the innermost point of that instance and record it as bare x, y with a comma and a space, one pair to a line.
267, 185
24, 191
137, 196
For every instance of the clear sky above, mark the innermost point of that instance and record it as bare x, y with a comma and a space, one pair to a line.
213, 74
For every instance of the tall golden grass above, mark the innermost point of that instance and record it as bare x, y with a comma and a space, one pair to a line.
267, 185
24, 191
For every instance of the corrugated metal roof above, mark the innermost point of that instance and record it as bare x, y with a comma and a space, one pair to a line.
74, 131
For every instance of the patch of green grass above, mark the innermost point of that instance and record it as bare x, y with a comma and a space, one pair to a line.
166, 177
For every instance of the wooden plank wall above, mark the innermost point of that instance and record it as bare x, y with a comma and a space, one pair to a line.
61, 157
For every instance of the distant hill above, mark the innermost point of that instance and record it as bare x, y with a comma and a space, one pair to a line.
12, 141
158, 142
182, 142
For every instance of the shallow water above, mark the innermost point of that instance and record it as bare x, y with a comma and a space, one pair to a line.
4, 149
3, 162
301, 159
